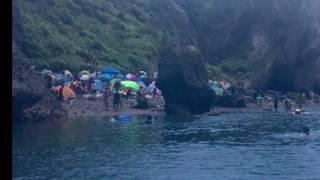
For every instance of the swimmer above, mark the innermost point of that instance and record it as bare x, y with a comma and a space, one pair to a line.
297, 111
306, 130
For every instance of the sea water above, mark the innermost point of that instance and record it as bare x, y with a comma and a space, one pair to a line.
229, 146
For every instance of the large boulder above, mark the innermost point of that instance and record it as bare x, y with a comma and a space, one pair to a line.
183, 81
31, 100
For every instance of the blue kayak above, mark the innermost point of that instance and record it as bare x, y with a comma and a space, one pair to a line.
123, 117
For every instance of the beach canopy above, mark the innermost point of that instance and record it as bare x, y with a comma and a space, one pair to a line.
84, 77
109, 70
130, 85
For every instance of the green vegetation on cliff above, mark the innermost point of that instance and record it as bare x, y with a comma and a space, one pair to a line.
69, 33
272, 44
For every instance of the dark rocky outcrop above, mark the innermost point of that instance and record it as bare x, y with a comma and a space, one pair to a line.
232, 101
279, 40
31, 100
183, 81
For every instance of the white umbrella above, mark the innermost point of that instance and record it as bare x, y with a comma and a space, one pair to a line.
84, 77
68, 73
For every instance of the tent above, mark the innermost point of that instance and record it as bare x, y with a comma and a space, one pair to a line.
130, 85
109, 70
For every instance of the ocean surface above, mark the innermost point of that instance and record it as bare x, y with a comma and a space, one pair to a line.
230, 146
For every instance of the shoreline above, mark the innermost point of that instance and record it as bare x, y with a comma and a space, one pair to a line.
86, 108
91, 108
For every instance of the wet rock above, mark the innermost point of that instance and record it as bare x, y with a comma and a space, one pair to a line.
183, 81
31, 100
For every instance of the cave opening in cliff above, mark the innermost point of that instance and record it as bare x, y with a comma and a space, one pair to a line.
281, 78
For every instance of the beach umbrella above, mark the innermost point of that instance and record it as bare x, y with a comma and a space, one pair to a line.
130, 85
67, 92
109, 70
84, 77
68, 73
105, 77
142, 73
131, 77
83, 72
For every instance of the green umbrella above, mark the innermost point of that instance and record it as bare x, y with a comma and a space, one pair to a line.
130, 85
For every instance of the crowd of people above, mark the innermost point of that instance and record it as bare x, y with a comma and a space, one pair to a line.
291, 103
222, 88
94, 84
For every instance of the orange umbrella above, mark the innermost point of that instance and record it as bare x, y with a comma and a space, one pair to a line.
68, 93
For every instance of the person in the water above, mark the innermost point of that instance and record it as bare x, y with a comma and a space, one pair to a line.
306, 130
299, 111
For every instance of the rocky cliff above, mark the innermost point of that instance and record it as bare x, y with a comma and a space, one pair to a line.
276, 41
183, 80
31, 100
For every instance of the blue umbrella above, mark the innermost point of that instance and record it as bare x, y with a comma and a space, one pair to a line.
109, 70
105, 77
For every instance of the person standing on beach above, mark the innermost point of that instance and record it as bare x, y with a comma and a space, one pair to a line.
106, 96
60, 94
275, 104
116, 101
49, 80
259, 100
299, 100
117, 85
